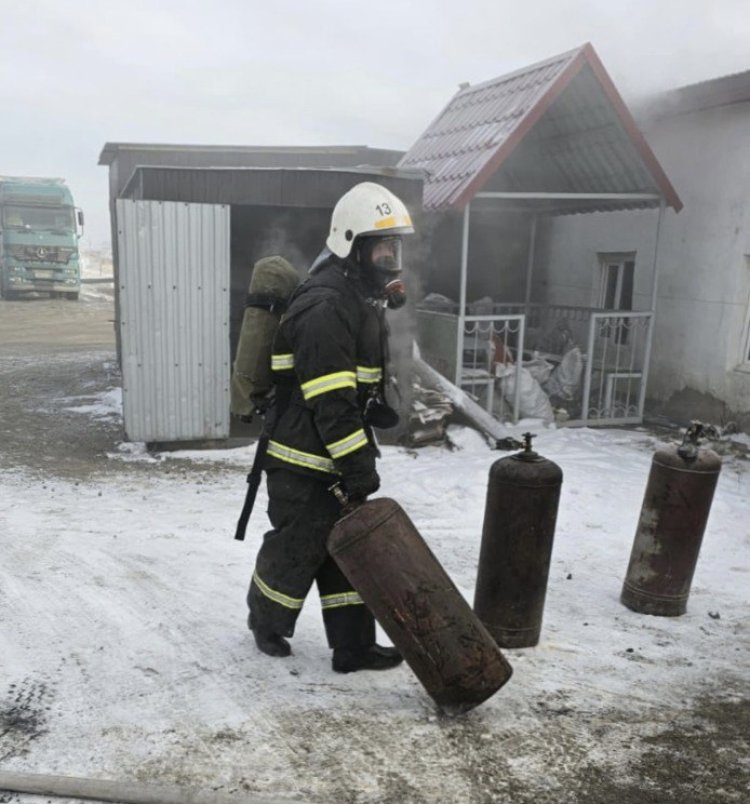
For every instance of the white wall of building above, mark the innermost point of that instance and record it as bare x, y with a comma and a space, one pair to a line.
703, 306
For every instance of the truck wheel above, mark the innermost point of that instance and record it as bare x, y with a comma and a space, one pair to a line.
72, 296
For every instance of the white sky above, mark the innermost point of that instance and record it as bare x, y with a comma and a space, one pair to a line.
322, 72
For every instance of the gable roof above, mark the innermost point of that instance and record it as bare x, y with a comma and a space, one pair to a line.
557, 126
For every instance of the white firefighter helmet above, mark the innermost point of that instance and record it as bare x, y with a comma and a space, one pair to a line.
366, 209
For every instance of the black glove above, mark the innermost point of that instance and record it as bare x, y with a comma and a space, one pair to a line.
359, 486
378, 413
358, 475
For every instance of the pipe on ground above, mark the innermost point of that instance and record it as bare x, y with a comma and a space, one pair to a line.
123, 792
477, 415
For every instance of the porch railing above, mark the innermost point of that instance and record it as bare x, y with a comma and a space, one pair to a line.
618, 352
488, 361
591, 363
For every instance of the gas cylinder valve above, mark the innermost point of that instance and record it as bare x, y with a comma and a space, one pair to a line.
688, 450
509, 442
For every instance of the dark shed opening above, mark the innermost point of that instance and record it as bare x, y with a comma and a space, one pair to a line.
284, 211
273, 211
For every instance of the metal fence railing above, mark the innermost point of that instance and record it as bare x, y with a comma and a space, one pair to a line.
577, 365
491, 362
616, 367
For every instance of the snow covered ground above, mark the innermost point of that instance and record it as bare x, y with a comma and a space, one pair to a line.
125, 653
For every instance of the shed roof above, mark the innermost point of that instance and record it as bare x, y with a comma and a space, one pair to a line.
254, 155
263, 186
559, 126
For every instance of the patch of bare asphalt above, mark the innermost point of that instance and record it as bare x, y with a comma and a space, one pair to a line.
698, 755
702, 757
40, 434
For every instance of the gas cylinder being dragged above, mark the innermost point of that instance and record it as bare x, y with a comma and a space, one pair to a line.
419, 607
670, 530
523, 492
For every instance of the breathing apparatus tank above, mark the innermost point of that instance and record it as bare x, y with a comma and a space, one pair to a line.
272, 283
523, 493
670, 529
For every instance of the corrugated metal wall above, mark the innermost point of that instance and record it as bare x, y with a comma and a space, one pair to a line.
174, 319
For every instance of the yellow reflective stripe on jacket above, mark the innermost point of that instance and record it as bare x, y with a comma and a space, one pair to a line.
355, 441
282, 362
369, 374
277, 597
341, 599
329, 382
298, 458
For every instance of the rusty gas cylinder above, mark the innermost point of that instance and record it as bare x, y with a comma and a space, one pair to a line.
402, 583
670, 529
523, 492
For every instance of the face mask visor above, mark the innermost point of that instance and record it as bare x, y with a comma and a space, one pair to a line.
383, 255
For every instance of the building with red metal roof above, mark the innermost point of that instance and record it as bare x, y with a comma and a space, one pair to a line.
500, 159
559, 126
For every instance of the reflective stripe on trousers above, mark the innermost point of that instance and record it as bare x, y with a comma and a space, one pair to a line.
277, 597
343, 599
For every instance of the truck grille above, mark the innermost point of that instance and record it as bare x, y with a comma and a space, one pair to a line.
55, 254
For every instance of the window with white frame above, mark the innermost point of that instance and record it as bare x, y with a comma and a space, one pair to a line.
617, 277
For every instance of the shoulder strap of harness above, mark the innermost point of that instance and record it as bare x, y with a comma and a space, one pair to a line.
266, 301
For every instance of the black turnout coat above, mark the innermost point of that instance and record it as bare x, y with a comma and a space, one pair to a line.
328, 359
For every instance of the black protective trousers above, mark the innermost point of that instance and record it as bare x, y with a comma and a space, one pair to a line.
302, 512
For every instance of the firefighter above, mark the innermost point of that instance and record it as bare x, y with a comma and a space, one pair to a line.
329, 359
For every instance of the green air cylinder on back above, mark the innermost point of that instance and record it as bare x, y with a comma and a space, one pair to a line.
272, 283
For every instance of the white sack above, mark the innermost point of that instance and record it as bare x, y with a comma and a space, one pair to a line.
566, 378
533, 403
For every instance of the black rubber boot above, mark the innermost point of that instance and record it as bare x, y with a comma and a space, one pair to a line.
269, 643
374, 657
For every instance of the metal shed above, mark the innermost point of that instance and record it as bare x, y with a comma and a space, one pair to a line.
551, 139
124, 161
187, 238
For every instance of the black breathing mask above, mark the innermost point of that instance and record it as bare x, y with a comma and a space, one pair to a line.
380, 260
